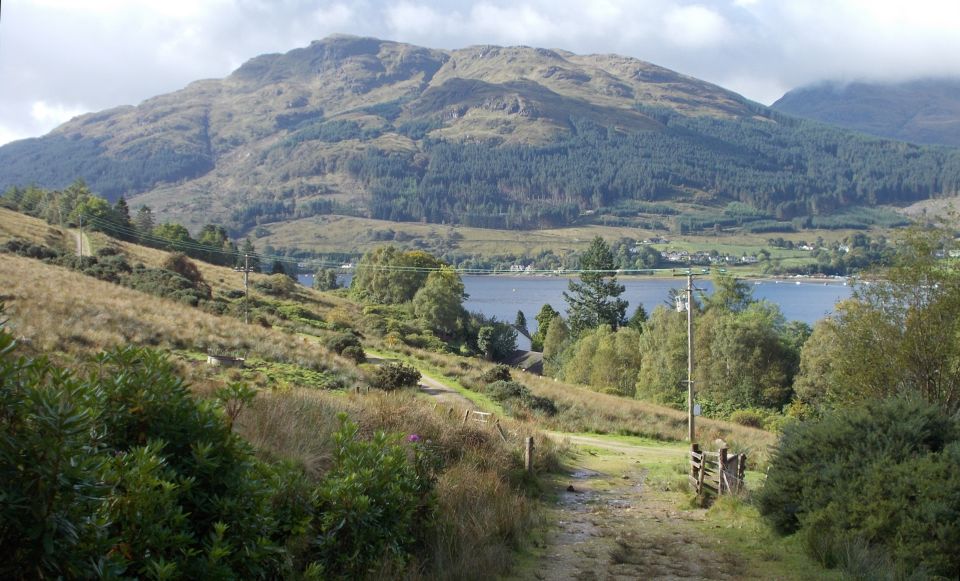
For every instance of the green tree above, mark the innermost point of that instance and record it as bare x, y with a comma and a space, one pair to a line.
439, 303
663, 352
637, 319
520, 323
595, 301
555, 345
175, 236
122, 227
248, 256
497, 341
96, 212
144, 222
729, 294
387, 275
325, 279
743, 359
606, 360
278, 267
899, 337
543, 318
814, 382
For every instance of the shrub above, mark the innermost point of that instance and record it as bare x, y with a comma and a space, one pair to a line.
277, 285
393, 376
883, 474
234, 294
338, 343
180, 264
504, 390
355, 353
369, 506
107, 251
166, 283
123, 473
496, 373
749, 417
29, 249
511, 393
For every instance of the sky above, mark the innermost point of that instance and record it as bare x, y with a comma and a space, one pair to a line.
61, 58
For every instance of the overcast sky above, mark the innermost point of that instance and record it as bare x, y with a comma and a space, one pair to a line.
59, 58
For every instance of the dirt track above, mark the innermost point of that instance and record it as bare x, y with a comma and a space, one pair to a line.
617, 520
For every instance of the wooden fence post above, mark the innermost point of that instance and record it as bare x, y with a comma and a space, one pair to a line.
500, 430
721, 471
466, 415
741, 470
528, 455
695, 448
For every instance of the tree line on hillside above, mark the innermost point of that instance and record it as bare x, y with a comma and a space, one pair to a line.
783, 168
779, 166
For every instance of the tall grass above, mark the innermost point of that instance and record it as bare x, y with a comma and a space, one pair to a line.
484, 512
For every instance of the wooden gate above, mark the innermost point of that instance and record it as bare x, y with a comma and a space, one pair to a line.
716, 473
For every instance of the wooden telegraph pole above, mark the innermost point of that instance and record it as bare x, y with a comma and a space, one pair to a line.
690, 416
246, 289
691, 431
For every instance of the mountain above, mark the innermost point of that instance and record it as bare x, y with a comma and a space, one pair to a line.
925, 111
485, 136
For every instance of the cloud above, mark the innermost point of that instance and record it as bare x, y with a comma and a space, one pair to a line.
49, 115
105, 53
695, 26
418, 20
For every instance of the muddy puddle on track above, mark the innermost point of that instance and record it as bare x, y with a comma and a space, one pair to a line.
609, 524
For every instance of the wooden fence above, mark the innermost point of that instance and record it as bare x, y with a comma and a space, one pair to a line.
716, 473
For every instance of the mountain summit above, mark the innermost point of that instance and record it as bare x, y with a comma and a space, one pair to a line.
486, 136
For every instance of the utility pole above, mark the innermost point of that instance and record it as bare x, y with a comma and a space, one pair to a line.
691, 431
80, 240
246, 288
690, 420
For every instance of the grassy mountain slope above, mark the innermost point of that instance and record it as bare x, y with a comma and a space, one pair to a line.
925, 111
486, 136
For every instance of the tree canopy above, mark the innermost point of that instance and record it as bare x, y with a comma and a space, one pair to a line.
595, 300
899, 336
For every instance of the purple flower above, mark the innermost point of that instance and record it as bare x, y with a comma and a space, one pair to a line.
413, 438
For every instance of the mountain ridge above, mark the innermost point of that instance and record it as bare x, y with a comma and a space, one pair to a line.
486, 136
924, 111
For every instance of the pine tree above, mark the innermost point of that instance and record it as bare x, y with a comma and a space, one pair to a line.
595, 300
144, 222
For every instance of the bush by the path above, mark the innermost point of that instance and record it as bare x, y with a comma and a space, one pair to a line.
879, 481
391, 376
